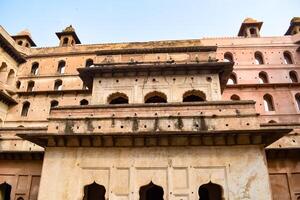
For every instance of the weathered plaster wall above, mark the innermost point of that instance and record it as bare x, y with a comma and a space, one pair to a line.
174, 86
241, 171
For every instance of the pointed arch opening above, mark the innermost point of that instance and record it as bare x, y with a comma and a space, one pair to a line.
65, 41
155, 97
61, 67
94, 191
228, 57
117, 98
293, 76
58, 85
151, 192
287, 58
25, 109
297, 98
258, 58
3, 71
5, 190
268, 103
210, 191
35, 68
18, 84
84, 102
10, 77
193, 96
30, 86
54, 104
263, 77
89, 62
235, 97
232, 79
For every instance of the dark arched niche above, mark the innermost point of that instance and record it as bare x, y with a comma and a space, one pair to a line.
151, 192
94, 191
210, 191
5, 190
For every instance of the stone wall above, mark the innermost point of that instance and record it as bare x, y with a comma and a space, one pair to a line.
241, 171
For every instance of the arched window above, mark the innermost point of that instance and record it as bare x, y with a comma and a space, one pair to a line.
10, 77
228, 57
53, 104
253, 32
297, 98
20, 42
61, 67
65, 41
20, 198
235, 97
58, 85
89, 62
232, 79
30, 86
26, 45
18, 84
3, 71
3, 67
263, 77
94, 191
117, 98
293, 76
287, 58
5, 190
25, 109
268, 103
84, 102
194, 96
210, 191
155, 97
151, 192
35, 68
258, 58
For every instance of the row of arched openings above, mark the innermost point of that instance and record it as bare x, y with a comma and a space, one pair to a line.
60, 66
53, 104
259, 59
157, 97
263, 78
268, 102
5, 77
151, 191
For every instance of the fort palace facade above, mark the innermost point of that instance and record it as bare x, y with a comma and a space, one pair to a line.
208, 119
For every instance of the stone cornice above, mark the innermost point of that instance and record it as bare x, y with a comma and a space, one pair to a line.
162, 138
224, 70
263, 85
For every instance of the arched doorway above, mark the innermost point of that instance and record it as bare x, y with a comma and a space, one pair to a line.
5, 190
151, 192
94, 191
210, 191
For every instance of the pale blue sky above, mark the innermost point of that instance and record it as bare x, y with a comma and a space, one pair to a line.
102, 21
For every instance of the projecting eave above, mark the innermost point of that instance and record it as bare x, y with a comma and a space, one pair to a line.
224, 69
290, 29
27, 37
7, 98
244, 25
60, 34
162, 138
